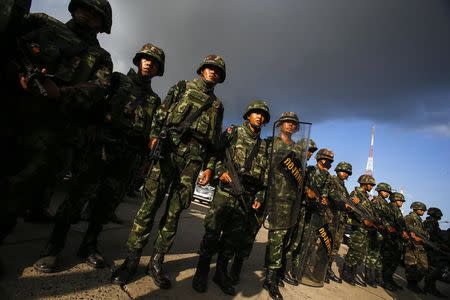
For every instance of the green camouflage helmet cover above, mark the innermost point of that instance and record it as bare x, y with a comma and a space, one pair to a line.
101, 6
288, 116
344, 167
258, 105
366, 179
325, 154
382, 186
152, 51
395, 196
214, 60
434, 212
418, 205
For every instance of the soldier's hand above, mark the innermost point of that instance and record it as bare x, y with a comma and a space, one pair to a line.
23, 80
256, 205
310, 193
355, 200
391, 229
368, 223
324, 201
416, 238
152, 143
225, 178
206, 177
405, 235
348, 207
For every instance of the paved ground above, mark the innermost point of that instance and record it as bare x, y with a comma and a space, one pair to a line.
76, 280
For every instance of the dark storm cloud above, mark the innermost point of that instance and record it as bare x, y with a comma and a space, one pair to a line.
381, 60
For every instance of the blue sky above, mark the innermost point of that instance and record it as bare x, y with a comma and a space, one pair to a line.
342, 65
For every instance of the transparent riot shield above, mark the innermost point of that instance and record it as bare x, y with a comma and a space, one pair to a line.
286, 178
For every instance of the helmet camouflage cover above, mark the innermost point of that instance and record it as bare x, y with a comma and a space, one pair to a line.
101, 6
418, 205
382, 186
258, 105
434, 212
288, 116
214, 60
366, 179
344, 167
397, 197
325, 154
152, 51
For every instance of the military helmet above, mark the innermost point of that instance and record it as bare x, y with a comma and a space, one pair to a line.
382, 186
101, 6
213, 60
434, 212
418, 205
152, 51
312, 146
395, 196
258, 105
344, 167
325, 154
366, 179
288, 116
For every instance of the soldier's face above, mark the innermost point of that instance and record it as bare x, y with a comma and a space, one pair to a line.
367, 187
343, 175
384, 194
288, 127
325, 163
256, 119
148, 67
420, 212
89, 18
399, 203
211, 74
309, 154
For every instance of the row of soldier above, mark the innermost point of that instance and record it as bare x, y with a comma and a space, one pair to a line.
69, 111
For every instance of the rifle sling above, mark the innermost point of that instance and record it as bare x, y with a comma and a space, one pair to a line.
251, 157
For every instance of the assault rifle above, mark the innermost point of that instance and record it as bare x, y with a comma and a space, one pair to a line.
363, 213
427, 242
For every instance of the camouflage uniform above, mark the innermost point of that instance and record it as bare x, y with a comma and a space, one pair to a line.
436, 260
229, 229
132, 107
81, 70
415, 259
392, 247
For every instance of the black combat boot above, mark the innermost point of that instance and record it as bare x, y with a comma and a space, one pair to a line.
369, 277
387, 283
332, 276
378, 277
48, 262
88, 249
236, 268
349, 274
221, 276
127, 269
413, 286
271, 284
358, 280
291, 277
156, 271
430, 287
280, 275
200, 281
395, 284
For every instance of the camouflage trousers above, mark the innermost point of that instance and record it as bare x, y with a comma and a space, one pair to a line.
391, 254
229, 230
175, 175
337, 228
276, 248
357, 247
416, 263
373, 257
296, 237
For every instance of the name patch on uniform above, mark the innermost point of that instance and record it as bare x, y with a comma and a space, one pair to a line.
292, 167
326, 239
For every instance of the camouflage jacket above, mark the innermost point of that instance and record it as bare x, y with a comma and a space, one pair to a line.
397, 220
79, 66
431, 225
337, 192
182, 100
285, 195
133, 104
241, 140
414, 223
365, 203
316, 180
381, 208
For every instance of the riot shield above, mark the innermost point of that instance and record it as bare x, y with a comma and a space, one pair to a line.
286, 178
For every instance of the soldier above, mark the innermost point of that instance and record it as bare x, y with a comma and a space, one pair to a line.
415, 259
231, 221
359, 240
392, 247
373, 264
188, 123
293, 252
53, 110
337, 194
283, 203
125, 134
437, 264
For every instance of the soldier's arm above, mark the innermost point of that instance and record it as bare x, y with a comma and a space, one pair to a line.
214, 137
163, 110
